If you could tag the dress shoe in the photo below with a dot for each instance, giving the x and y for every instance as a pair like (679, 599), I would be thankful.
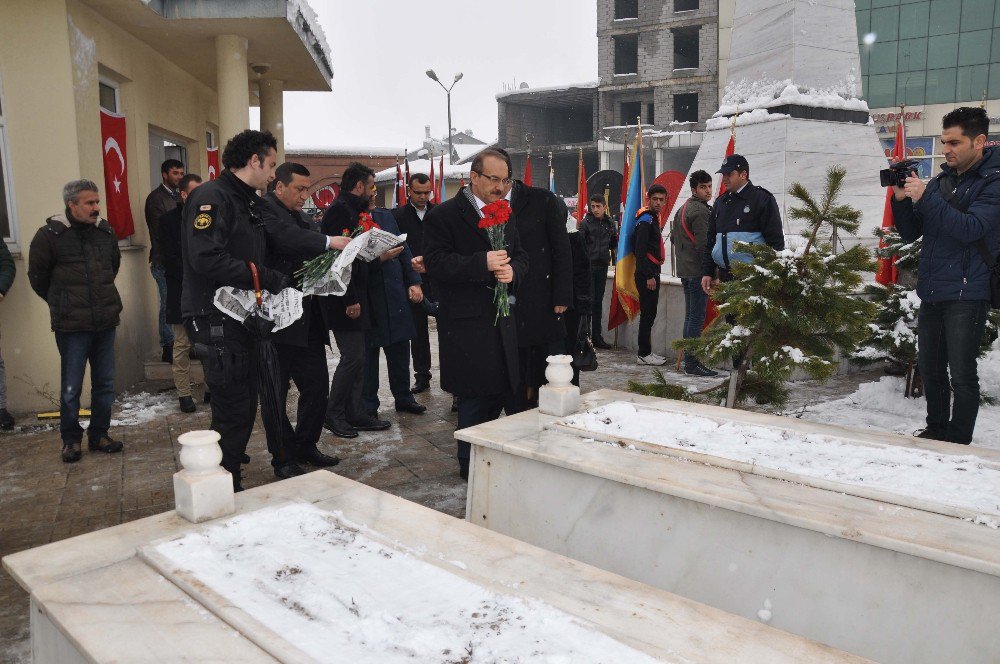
(168, 354)
(699, 369)
(104, 444)
(314, 457)
(932, 434)
(6, 421)
(421, 385)
(339, 428)
(371, 424)
(411, 407)
(71, 452)
(187, 404)
(287, 470)
(601, 344)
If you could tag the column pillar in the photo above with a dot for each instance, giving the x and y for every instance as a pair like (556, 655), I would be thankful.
(231, 73)
(272, 116)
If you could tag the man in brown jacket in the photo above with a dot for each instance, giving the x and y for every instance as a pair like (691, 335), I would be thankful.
(72, 265)
(688, 233)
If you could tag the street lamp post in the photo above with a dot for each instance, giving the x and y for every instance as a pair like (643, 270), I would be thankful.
(434, 77)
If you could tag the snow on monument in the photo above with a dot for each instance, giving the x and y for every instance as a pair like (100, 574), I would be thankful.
(794, 91)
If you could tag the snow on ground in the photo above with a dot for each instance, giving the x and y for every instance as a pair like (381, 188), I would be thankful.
(963, 481)
(136, 409)
(331, 588)
(880, 406)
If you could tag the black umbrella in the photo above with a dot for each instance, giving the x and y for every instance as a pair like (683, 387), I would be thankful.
(268, 371)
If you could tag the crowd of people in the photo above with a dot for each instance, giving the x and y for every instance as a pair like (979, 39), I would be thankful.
(222, 233)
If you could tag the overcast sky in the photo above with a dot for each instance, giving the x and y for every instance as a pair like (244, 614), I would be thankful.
(381, 49)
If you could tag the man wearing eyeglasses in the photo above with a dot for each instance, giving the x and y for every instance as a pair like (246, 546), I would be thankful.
(223, 231)
(547, 290)
(478, 349)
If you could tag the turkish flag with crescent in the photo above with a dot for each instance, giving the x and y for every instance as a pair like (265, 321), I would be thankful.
(213, 163)
(116, 203)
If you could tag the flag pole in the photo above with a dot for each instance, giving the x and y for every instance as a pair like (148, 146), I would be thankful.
(638, 138)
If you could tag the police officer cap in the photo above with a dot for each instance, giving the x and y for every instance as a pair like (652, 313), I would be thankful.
(734, 162)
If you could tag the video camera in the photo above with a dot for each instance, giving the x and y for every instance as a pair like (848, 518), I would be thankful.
(895, 175)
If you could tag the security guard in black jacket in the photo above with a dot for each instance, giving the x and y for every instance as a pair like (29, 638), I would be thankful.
(745, 213)
(223, 232)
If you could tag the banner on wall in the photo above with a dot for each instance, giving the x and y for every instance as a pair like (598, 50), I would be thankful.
(213, 163)
(118, 211)
(920, 148)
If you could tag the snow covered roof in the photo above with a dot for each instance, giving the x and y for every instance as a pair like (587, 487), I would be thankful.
(451, 171)
(345, 150)
(549, 88)
(466, 152)
(745, 95)
(576, 94)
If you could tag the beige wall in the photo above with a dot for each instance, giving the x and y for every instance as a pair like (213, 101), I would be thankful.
(51, 105)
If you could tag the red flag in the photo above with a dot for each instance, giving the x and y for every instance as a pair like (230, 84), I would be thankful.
(527, 171)
(407, 173)
(400, 187)
(213, 163)
(433, 183)
(581, 188)
(116, 202)
(887, 272)
(439, 185)
(463, 183)
(324, 197)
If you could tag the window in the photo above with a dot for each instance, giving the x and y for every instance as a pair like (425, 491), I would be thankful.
(210, 138)
(910, 87)
(912, 55)
(913, 20)
(974, 47)
(685, 48)
(945, 16)
(109, 95)
(942, 51)
(627, 54)
(650, 113)
(685, 5)
(882, 90)
(940, 86)
(686, 107)
(626, 9)
(7, 230)
(630, 110)
(972, 82)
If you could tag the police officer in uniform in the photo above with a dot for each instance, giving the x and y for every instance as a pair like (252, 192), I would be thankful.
(745, 213)
(223, 232)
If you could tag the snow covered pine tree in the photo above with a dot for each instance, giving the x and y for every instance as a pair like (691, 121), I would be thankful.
(792, 309)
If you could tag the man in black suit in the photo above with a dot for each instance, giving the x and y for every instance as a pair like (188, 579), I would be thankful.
(478, 350)
(410, 219)
(302, 345)
(161, 200)
(547, 290)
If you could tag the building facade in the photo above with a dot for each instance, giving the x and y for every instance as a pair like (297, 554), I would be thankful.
(183, 73)
(928, 57)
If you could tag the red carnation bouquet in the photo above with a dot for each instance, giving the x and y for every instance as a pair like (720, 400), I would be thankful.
(495, 216)
(314, 269)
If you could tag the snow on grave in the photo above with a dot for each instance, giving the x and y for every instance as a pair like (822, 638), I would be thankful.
(336, 587)
(961, 485)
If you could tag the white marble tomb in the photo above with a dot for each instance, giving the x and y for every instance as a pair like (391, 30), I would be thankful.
(895, 578)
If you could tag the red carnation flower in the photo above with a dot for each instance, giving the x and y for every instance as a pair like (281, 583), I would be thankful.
(366, 223)
(495, 214)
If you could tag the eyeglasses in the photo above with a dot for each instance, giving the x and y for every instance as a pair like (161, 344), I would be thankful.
(494, 179)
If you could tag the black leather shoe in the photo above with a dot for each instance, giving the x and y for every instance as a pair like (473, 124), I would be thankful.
(932, 434)
(105, 444)
(288, 469)
(342, 429)
(168, 354)
(71, 452)
(700, 369)
(412, 407)
(316, 458)
(371, 424)
(6, 421)
(601, 344)
(187, 404)
(420, 386)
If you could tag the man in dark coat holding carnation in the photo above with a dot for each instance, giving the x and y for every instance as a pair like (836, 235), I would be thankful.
(478, 349)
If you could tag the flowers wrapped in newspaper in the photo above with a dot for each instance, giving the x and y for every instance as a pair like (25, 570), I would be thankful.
(495, 216)
(330, 273)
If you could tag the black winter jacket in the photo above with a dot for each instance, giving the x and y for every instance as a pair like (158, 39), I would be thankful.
(341, 218)
(601, 239)
(72, 265)
(7, 269)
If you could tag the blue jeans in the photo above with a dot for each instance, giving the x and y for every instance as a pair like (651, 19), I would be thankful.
(695, 302)
(75, 350)
(159, 276)
(948, 338)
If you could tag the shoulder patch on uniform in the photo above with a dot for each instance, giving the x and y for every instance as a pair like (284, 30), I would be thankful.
(202, 221)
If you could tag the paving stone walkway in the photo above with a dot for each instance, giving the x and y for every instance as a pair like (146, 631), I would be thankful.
(43, 500)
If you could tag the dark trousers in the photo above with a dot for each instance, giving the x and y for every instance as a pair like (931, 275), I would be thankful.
(531, 366)
(420, 347)
(476, 410)
(397, 360)
(572, 318)
(648, 302)
(307, 367)
(599, 276)
(695, 302)
(344, 403)
(948, 338)
(75, 350)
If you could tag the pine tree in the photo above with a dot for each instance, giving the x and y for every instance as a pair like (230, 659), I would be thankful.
(791, 309)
